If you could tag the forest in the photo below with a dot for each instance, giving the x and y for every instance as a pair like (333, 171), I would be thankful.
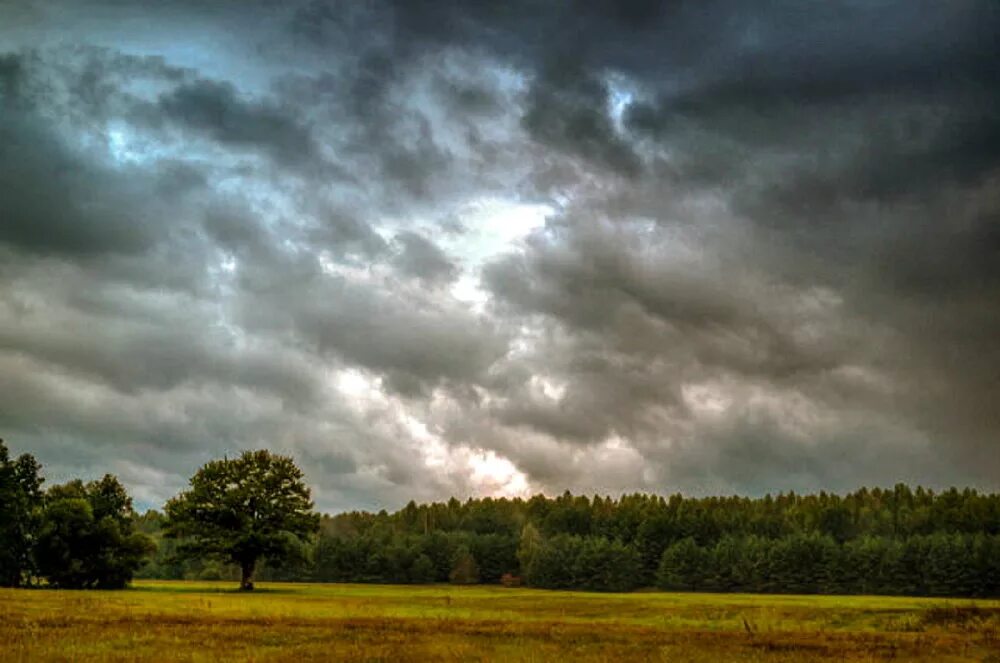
(897, 541)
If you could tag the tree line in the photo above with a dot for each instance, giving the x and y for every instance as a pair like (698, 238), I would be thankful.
(77, 534)
(87, 535)
(872, 541)
(252, 517)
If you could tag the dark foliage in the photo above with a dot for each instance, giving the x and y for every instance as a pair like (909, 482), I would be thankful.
(243, 510)
(88, 538)
(939, 564)
(256, 511)
(897, 541)
(20, 516)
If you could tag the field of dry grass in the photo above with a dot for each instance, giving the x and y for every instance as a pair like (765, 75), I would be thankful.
(158, 621)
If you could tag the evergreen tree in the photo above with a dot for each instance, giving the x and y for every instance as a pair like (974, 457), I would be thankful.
(683, 566)
(607, 566)
(552, 566)
(422, 570)
(870, 541)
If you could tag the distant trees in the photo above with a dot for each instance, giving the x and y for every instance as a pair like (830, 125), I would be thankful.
(939, 564)
(683, 566)
(244, 510)
(20, 515)
(567, 561)
(898, 541)
(607, 565)
(87, 537)
(252, 517)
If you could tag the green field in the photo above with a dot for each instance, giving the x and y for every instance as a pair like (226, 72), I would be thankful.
(191, 621)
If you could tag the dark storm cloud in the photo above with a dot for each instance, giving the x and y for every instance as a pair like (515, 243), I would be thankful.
(393, 131)
(137, 352)
(806, 134)
(568, 109)
(58, 198)
(408, 335)
(422, 259)
(60, 202)
(645, 321)
(465, 98)
(154, 350)
(769, 261)
(216, 108)
(341, 232)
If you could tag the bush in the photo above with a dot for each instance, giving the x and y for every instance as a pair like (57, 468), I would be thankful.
(510, 580)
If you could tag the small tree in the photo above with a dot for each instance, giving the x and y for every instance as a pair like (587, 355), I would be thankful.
(464, 570)
(242, 510)
(528, 546)
(422, 570)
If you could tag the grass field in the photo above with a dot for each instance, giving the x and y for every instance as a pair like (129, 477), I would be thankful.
(187, 621)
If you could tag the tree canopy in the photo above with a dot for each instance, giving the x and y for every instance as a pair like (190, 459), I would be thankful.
(87, 537)
(254, 514)
(20, 514)
(895, 541)
(244, 510)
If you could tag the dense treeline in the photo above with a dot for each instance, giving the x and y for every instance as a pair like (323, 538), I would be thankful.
(256, 508)
(73, 535)
(80, 535)
(896, 541)
(940, 564)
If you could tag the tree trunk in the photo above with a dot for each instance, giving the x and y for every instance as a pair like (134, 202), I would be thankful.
(246, 579)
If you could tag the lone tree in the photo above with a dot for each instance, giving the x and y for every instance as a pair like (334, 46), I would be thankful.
(244, 510)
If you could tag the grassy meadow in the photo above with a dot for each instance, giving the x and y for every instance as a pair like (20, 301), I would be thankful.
(200, 621)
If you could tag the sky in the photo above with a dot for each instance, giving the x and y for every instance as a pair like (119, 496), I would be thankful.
(454, 248)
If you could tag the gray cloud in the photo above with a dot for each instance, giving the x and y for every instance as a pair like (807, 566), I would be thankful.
(406, 334)
(422, 259)
(60, 199)
(769, 259)
(216, 109)
(568, 109)
(51, 206)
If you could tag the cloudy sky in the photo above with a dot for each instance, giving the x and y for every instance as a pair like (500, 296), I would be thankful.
(452, 248)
